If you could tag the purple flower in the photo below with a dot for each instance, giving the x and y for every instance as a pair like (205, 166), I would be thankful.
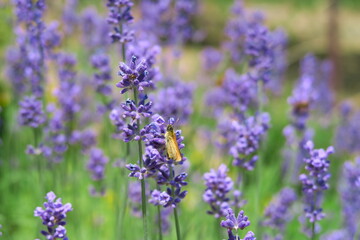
(70, 16)
(97, 163)
(350, 196)
(31, 43)
(315, 182)
(237, 91)
(69, 91)
(178, 104)
(86, 138)
(94, 27)
(159, 198)
(119, 16)
(130, 110)
(336, 235)
(303, 95)
(54, 217)
(216, 194)
(133, 76)
(166, 22)
(31, 112)
(55, 141)
(277, 214)
(279, 42)
(243, 137)
(101, 79)
(347, 136)
(211, 58)
(233, 222)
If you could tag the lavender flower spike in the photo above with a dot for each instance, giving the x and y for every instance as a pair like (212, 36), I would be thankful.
(53, 217)
(97, 163)
(235, 223)
(133, 76)
(315, 182)
(218, 186)
(31, 112)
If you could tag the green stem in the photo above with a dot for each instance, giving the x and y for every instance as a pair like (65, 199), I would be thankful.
(259, 162)
(143, 195)
(159, 222)
(38, 162)
(177, 225)
(313, 231)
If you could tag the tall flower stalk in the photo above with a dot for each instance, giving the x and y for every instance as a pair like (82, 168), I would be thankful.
(315, 182)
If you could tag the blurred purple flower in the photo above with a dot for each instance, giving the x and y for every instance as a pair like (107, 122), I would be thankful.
(211, 58)
(336, 235)
(236, 91)
(31, 112)
(277, 214)
(347, 137)
(69, 91)
(119, 16)
(242, 138)
(97, 163)
(94, 27)
(218, 184)
(350, 196)
(103, 75)
(178, 104)
(70, 16)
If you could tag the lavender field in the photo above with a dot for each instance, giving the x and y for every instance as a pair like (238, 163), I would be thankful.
(179, 119)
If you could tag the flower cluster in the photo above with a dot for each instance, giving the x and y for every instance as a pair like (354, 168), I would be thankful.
(303, 95)
(347, 138)
(216, 194)
(97, 163)
(68, 91)
(69, 16)
(236, 91)
(350, 196)
(235, 223)
(54, 217)
(277, 214)
(168, 22)
(252, 44)
(243, 138)
(55, 139)
(94, 27)
(178, 104)
(316, 180)
(31, 112)
(211, 58)
(148, 52)
(119, 17)
(134, 76)
(102, 64)
(157, 165)
(34, 42)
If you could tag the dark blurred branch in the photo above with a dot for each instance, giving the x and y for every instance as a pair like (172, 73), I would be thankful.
(334, 44)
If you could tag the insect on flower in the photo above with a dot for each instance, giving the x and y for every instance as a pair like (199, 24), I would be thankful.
(172, 147)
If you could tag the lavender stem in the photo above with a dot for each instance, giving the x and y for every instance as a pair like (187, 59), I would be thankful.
(143, 195)
(177, 225)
